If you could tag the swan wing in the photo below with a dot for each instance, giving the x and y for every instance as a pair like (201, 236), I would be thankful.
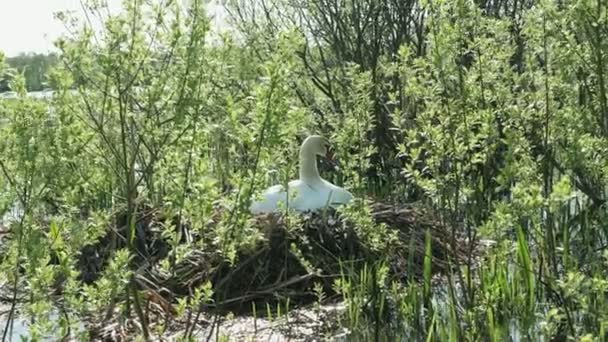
(336, 195)
(302, 197)
(275, 197)
(270, 200)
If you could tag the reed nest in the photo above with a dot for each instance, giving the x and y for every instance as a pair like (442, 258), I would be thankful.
(290, 260)
(294, 255)
(287, 262)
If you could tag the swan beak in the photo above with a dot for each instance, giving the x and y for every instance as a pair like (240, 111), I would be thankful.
(329, 157)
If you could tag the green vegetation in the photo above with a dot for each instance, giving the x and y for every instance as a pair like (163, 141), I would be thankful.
(493, 115)
(34, 68)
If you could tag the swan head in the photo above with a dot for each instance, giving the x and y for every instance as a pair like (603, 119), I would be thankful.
(311, 147)
(315, 145)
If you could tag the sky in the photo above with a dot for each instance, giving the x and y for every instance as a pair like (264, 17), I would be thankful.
(29, 25)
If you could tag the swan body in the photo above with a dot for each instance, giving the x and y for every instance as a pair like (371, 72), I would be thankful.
(310, 191)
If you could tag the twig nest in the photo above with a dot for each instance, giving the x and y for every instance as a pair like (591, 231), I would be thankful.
(300, 250)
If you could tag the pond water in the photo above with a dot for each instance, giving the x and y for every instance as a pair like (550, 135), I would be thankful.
(20, 326)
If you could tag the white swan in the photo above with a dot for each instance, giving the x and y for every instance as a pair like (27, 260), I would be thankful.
(310, 192)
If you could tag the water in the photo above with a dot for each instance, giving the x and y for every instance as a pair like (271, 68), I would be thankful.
(43, 94)
(20, 326)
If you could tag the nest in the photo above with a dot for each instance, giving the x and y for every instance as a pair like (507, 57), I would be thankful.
(293, 258)
(289, 262)
(149, 245)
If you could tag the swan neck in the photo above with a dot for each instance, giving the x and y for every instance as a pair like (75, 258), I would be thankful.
(308, 167)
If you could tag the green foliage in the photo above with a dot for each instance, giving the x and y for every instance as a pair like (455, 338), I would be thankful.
(34, 68)
(492, 113)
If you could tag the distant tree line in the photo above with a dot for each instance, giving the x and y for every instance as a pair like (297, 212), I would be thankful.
(34, 67)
